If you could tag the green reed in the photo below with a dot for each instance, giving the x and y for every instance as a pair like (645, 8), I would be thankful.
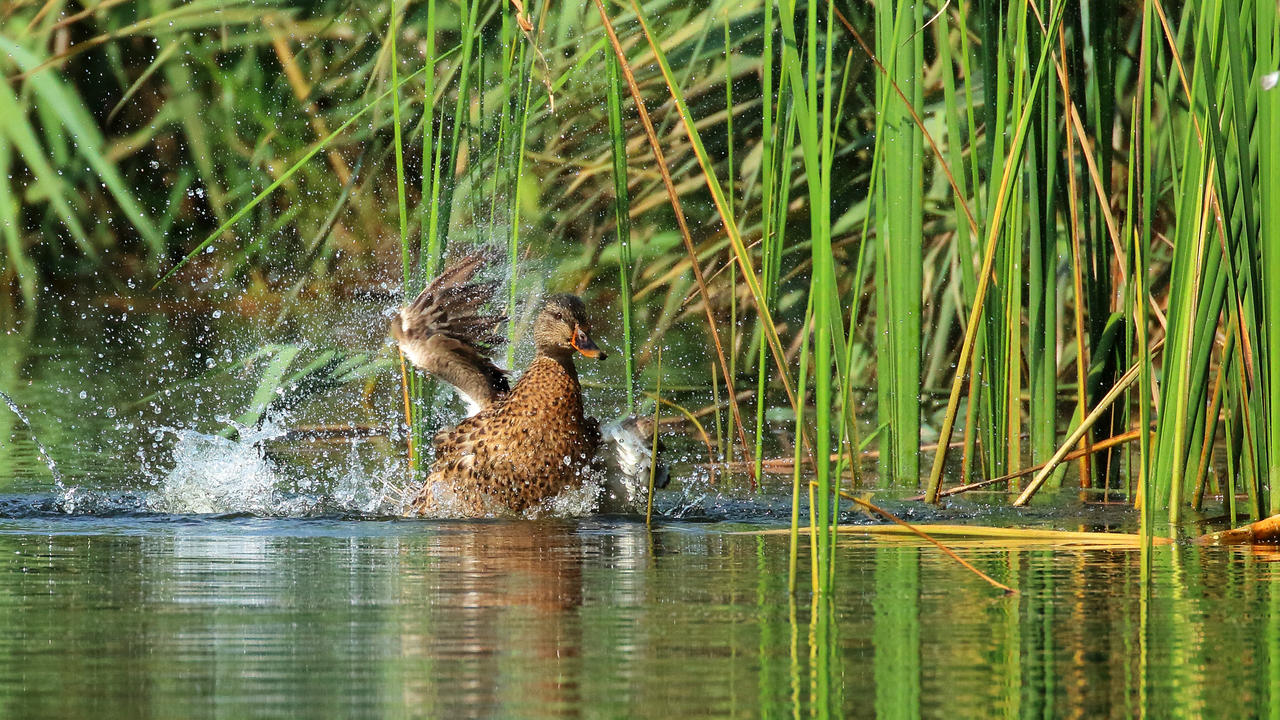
(411, 383)
(520, 120)
(814, 119)
(731, 186)
(1267, 125)
(768, 215)
(1003, 217)
(622, 219)
(899, 237)
(797, 479)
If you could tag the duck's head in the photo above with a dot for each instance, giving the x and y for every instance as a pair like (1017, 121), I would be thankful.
(562, 327)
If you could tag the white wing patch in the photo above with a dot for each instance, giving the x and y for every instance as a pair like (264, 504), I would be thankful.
(473, 407)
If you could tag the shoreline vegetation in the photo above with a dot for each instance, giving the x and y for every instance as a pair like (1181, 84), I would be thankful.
(1017, 246)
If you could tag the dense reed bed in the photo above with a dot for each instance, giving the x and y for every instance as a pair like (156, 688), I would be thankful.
(972, 240)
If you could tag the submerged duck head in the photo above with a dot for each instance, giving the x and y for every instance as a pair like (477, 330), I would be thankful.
(562, 328)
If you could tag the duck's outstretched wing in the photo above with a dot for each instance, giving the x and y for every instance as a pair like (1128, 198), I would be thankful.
(446, 333)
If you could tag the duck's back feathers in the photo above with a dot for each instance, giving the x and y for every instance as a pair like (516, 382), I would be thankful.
(528, 446)
(445, 332)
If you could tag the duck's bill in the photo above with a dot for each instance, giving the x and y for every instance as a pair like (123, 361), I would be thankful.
(583, 344)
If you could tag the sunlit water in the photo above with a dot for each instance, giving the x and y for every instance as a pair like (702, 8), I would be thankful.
(176, 573)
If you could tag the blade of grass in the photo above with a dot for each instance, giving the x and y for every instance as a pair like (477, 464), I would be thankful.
(653, 464)
(15, 255)
(23, 138)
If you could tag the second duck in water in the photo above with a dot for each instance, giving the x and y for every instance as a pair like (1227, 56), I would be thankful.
(525, 444)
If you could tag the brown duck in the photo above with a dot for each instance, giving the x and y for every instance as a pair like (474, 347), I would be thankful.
(526, 443)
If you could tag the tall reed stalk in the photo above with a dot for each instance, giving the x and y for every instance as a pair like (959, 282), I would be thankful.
(622, 219)
(899, 241)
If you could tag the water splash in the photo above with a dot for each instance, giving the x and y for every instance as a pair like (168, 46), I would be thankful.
(574, 501)
(40, 448)
(212, 474)
(628, 451)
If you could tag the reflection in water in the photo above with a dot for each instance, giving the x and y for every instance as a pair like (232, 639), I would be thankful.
(494, 593)
(897, 633)
(173, 615)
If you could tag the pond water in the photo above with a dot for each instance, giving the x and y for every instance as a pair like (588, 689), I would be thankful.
(296, 596)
